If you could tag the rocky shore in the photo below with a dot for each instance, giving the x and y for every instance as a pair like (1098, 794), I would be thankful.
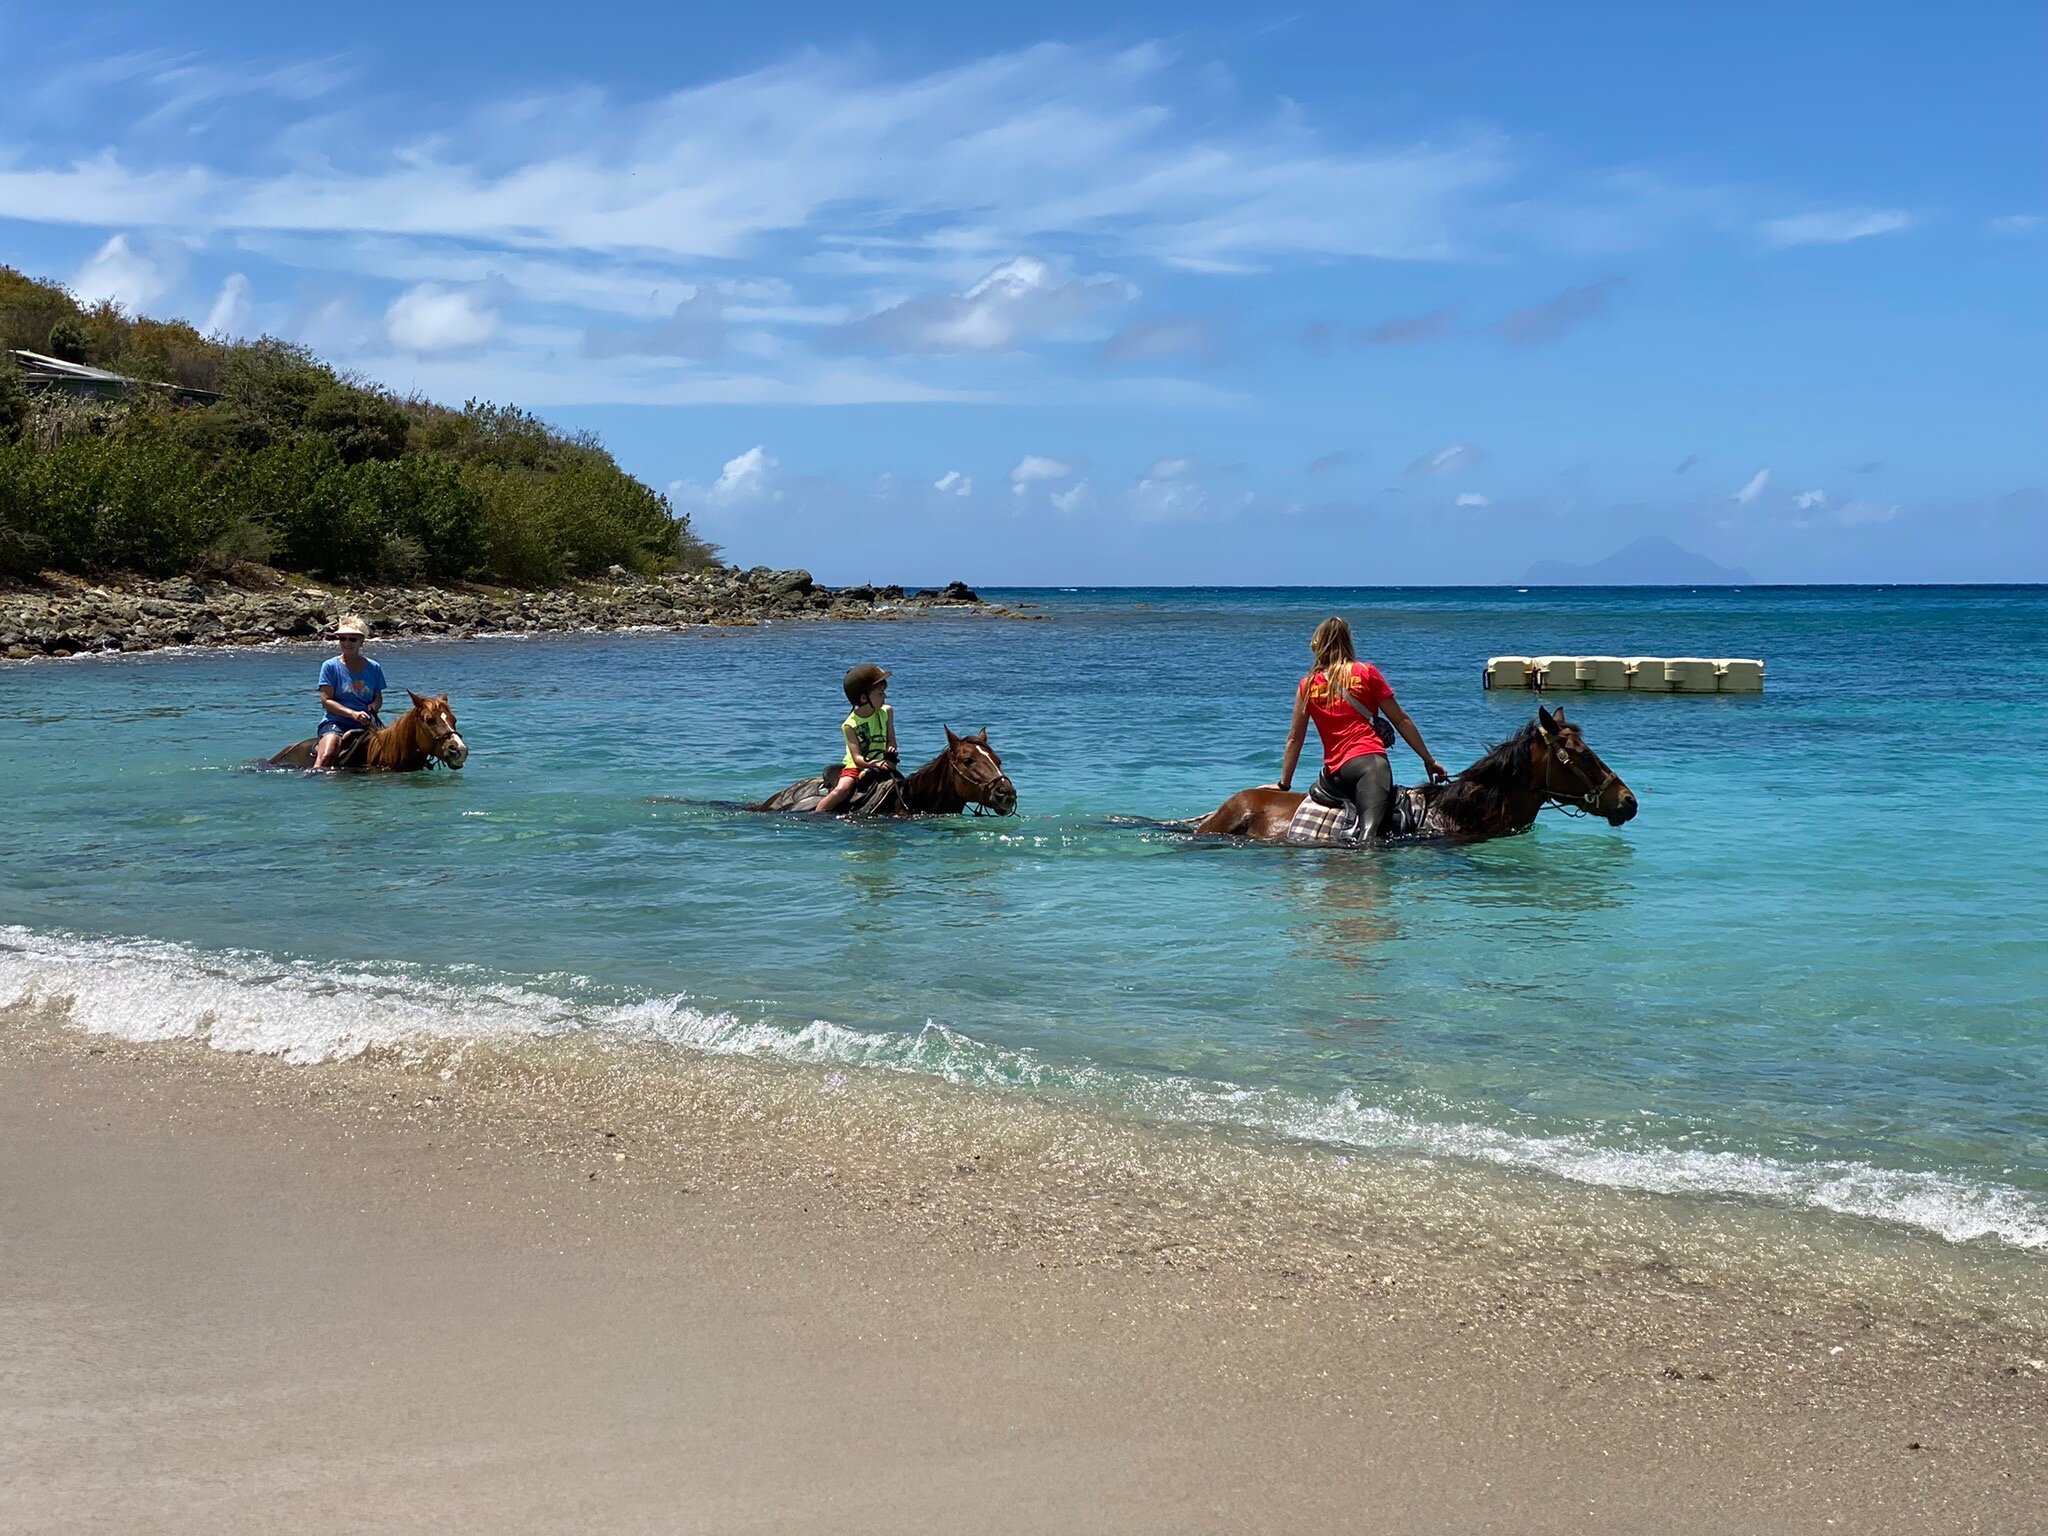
(66, 615)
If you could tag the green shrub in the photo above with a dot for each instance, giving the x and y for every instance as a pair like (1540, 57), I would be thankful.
(298, 464)
(13, 400)
(69, 340)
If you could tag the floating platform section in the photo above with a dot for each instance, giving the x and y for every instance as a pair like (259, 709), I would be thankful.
(1626, 674)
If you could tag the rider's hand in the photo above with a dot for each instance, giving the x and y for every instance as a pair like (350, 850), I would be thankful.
(1436, 772)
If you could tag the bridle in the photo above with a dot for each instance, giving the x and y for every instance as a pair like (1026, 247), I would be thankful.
(437, 744)
(976, 792)
(1584, 803)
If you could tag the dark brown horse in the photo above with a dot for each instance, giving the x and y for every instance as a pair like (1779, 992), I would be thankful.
(423, 735)
(967, 773)
(1547, 762)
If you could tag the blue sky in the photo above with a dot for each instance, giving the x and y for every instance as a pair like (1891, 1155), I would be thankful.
(1369, 293)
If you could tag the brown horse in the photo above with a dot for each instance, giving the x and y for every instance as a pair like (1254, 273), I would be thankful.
(422, 736)
(1547, 762)
(967, 773)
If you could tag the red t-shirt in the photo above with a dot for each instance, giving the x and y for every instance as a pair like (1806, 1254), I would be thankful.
(1345, 732)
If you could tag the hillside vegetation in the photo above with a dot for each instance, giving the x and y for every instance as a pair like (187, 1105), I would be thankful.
(297, 466)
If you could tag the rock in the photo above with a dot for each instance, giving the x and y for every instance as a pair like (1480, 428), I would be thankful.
(959, 592)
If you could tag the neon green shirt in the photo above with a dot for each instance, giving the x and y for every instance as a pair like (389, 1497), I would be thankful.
(872, 733)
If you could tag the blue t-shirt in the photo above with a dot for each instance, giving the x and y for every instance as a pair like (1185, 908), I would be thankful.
(353, 689)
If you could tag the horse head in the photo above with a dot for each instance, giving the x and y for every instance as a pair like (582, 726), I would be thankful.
(1572, 774)
(437, 729)
(978, 772)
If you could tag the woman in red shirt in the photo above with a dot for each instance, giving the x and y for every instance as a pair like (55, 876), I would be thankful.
(1341, 695)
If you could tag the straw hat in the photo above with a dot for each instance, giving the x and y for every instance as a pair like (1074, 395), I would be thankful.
(349, 624)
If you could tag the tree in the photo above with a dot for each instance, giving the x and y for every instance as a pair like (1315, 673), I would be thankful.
(70, 341)
(13, 400)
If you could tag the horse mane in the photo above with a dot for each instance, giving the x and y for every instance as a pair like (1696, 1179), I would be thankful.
(390, 746)
(1481, 794)
(928, 785)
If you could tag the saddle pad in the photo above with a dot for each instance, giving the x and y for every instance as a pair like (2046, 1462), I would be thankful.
(1323, 826)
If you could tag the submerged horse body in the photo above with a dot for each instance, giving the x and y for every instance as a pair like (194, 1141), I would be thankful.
(967, 773)
(1547, 762)
(423, 735)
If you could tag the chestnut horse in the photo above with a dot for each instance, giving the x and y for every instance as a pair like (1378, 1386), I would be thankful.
(422, 736)
(1547, 762)
(967, 773)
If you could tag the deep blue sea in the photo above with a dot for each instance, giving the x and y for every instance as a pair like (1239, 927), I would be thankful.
(1813, 972)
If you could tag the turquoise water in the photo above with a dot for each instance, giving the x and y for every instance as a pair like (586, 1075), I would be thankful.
(1813, 971)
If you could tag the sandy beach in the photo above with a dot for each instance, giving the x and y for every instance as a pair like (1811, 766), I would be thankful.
(467, 1292)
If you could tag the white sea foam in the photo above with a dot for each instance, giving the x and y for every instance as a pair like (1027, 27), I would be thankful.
(305, 1012)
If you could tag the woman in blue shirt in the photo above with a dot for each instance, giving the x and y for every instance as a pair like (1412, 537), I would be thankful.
(351, 689)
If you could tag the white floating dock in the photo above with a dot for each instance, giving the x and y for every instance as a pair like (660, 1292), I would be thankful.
(1626, 674)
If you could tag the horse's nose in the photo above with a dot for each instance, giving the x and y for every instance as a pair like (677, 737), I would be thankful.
(1625, 808)
(456, 753)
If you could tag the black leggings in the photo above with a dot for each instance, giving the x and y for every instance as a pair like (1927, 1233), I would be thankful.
(1367, 781)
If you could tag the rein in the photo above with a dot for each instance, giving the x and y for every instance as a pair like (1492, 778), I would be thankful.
(430, 749)
(1581, 804)
(973, 806)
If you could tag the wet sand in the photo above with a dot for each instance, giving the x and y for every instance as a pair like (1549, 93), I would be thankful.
(469, 1292)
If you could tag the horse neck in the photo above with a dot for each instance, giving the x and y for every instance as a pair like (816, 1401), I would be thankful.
(400, 744)
(1483, 807)
(931, 790)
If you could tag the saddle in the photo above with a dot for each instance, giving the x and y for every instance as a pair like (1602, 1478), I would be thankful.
(354, 744)
(1324, 821)
(882, 795)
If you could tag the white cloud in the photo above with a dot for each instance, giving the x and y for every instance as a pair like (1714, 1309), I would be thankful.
(1174, 500)
(1179, 468)
(1807, 500)
(953, 483)
(431, 318)
(696, 327)
(1022, 300)
(229, 316)
(747, 480)
(745, 477)
(1121, 149)
(1451, 459)
(1072, 497)
(1473, 499)
(1164, 337)
(1836, 226)
(1036, 468)
(130, 273)
(1754, 488)
(2019, 224)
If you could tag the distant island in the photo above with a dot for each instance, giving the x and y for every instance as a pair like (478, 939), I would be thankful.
(1650, 561)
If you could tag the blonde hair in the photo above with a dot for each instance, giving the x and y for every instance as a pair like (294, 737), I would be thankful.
(1334, 655)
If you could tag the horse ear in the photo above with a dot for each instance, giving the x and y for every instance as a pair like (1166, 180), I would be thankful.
(1545, 718)
(982, 736)
(951, 739)
(417, 701)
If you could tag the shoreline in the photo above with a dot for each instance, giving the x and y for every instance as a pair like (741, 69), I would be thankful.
(1161, 1329)
(63, 615)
